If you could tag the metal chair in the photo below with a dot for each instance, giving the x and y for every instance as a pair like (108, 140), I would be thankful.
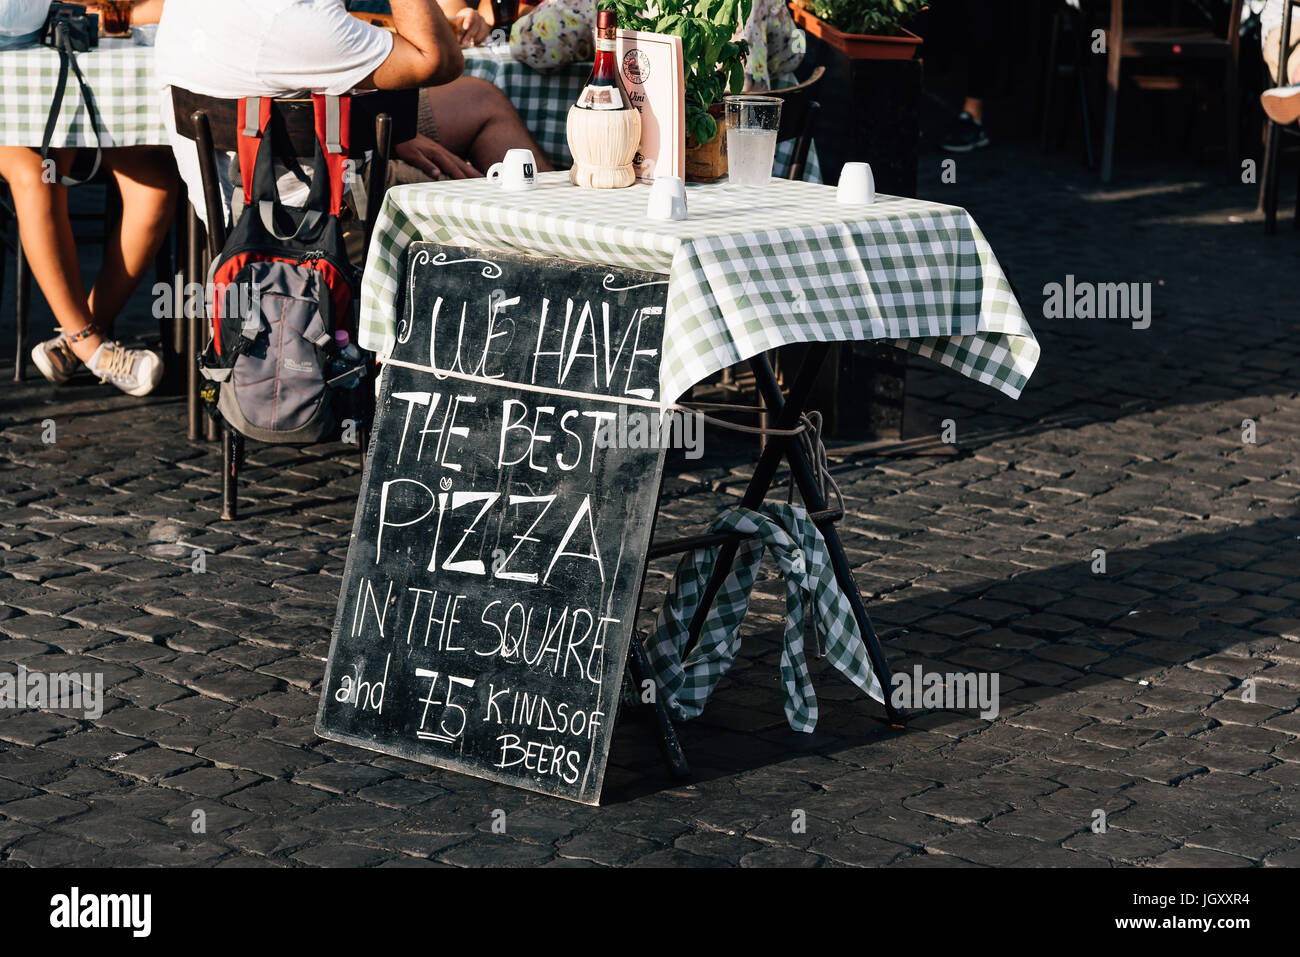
(379, 120)
(1274, 132)
(1168, 43)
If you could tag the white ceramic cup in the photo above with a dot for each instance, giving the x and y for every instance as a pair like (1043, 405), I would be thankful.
(667, 199)
(857, 185)
(517, 172)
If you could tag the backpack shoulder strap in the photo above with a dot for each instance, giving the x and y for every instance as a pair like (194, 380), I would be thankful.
(334, 130)
(252, 118)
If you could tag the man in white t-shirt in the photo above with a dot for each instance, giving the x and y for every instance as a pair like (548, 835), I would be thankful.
(240, 48)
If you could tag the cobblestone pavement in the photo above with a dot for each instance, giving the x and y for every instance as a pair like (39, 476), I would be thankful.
(1121, 692)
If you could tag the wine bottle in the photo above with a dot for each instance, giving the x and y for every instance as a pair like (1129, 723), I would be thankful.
(605, 89)
(603, 127)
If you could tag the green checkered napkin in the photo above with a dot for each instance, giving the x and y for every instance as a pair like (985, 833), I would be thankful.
(810, 586)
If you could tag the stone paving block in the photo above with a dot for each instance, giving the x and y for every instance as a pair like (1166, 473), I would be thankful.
(958, 806)
(1118, 844)
(502, 851)
(153, 764)
(265, 757)
(611, 847)
(43, 809)
(1198, 857)
(341, 778)
(33, 728)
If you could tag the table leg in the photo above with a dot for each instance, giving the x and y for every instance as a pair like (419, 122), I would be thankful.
(760, 483)
(665, 733)
(787, 413)
(670, 747)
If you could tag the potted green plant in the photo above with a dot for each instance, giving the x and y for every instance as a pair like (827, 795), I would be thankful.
(714, 64)
(862, 29)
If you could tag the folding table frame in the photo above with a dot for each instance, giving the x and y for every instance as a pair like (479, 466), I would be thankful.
(783, 413)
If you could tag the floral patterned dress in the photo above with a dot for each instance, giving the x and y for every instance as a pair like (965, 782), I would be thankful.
(560, 32)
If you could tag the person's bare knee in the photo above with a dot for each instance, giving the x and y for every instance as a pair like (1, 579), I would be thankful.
(23, 170)
(146, 167)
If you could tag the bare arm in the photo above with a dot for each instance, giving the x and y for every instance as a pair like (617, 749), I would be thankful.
(426, 50)
(146, 11)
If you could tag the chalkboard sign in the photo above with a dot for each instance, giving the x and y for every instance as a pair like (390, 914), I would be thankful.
(498, 551)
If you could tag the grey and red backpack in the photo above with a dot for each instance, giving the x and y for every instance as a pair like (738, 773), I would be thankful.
(282, 289)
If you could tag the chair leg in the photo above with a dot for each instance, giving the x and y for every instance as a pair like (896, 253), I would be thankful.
(1230, 108)
(1268, 181)
(231, 453)
(378, 174)
(1296, 222)
(22, 312)
(1050, 85)
(1089, 152)
(367, 411)
(4, 241)
(1114, 53)
(194, 315)
(180, 266)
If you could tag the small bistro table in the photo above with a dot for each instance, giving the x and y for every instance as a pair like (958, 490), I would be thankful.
(543, 101)
(752, 269)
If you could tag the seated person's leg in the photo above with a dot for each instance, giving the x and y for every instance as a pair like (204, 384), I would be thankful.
(48, 244)
(474, 121)
(51, 251)
(146, 178)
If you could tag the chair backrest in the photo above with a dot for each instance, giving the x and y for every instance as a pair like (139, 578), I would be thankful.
(379, 120)
(796, 101)
(299, 120)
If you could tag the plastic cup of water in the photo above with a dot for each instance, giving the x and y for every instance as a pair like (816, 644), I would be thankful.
(752, 124)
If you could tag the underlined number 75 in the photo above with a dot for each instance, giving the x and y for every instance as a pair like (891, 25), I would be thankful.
(444, 734)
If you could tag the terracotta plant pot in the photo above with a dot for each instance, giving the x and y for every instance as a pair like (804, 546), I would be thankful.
(858, 46)
(707, 163)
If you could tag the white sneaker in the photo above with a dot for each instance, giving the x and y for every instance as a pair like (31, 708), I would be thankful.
(55, 358)
(134, 371)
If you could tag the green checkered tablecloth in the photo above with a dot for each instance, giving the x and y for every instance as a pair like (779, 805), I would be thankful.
(121, 78)
(543, 101)
(753, 268)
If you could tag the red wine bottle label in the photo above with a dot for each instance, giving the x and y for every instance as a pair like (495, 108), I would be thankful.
(601, 98)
